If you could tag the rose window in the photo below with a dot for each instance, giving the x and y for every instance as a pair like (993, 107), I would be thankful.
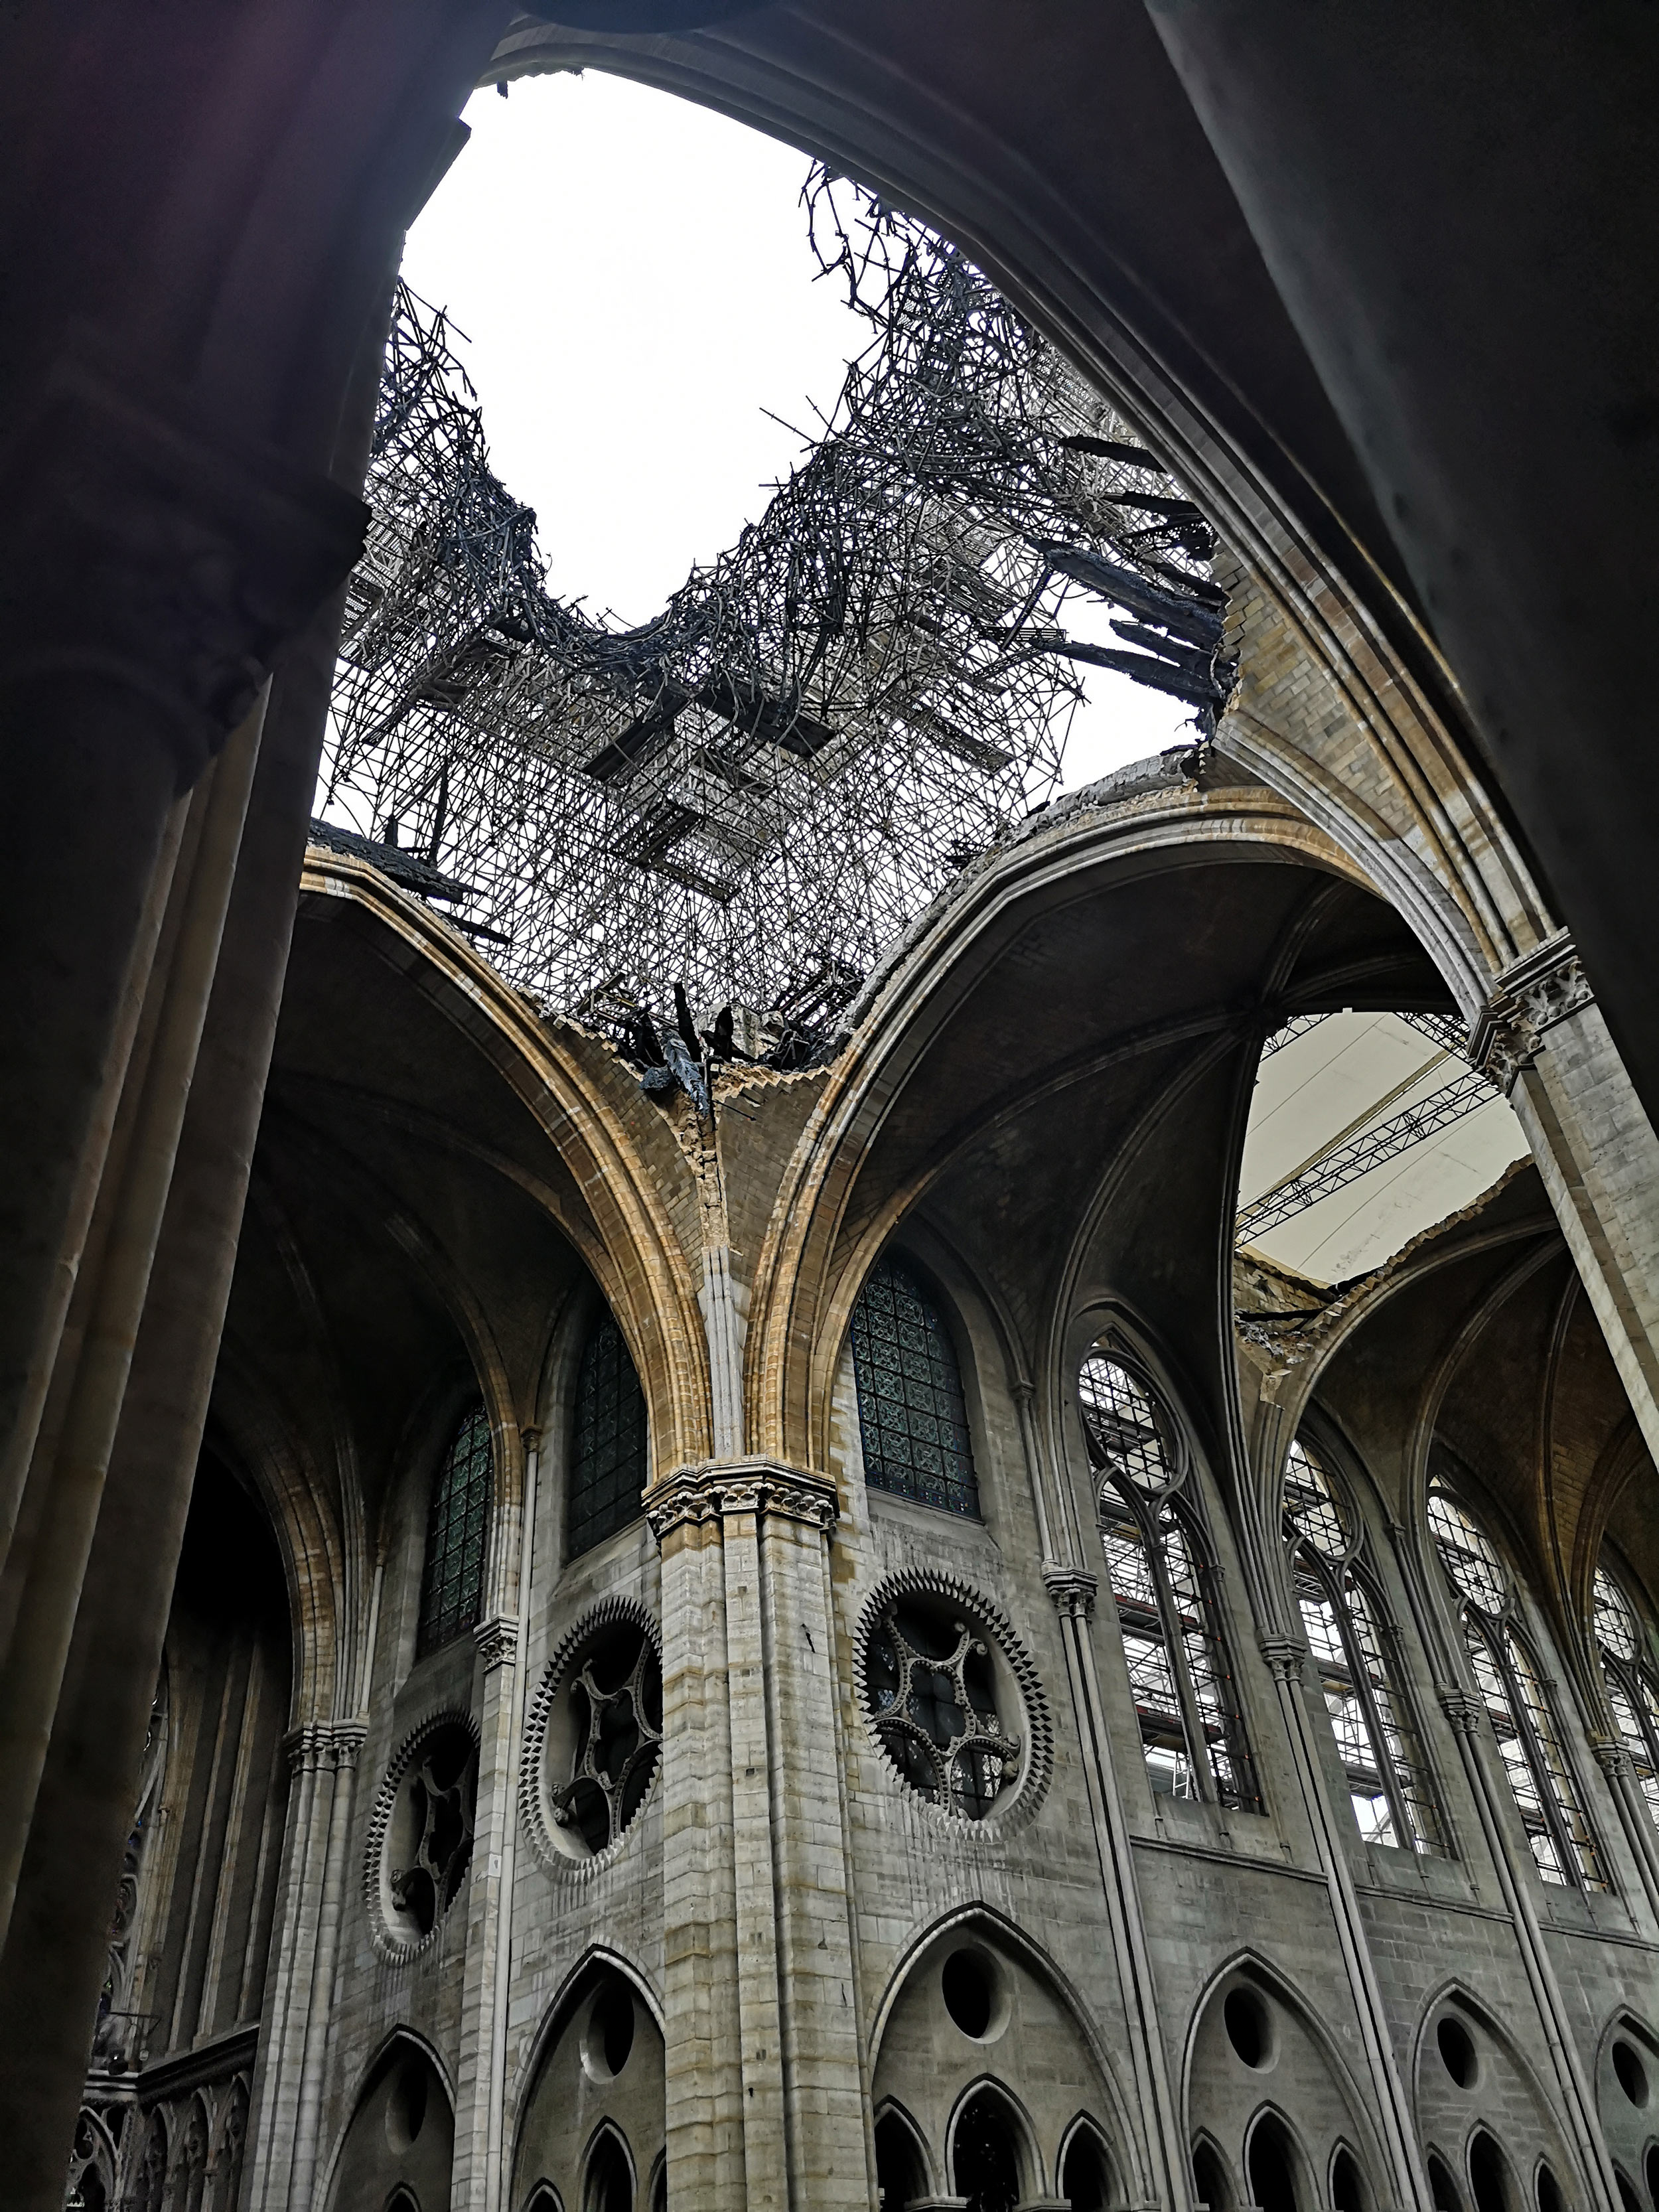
(595, 1736)
(420, 1844)
(946, 1697)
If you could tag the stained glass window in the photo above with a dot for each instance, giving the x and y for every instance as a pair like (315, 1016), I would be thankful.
(1523, 1720)
(1163, 1582)
(1631, 1690)
(1389, 1784)
(608, 1453)
(458, 1524)
(911, 1414)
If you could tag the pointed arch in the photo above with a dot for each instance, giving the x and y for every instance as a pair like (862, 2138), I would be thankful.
(989, 2123)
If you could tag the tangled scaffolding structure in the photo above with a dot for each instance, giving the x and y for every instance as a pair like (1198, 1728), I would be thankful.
(756, 791)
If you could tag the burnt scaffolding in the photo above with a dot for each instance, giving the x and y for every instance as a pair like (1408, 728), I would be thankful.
(755, 792)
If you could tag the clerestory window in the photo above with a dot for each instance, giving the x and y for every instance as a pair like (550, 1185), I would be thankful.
(1389, 1784)
(608, 1453)
(1161, 1575)
(1633, 1690)
(458, 1524)
(1513, 1690)
(912, 1416)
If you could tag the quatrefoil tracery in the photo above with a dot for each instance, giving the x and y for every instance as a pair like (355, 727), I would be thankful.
(618, 1745)
(948, 1747)
(442, 1822)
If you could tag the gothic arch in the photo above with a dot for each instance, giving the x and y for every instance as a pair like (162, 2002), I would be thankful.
(992, 2089)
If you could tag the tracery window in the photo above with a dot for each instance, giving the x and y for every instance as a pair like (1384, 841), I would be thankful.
(1161, 1575)
(1389, 1784)
(1633, 1692)
(608, 1453)
(452, 1580)
(1518, 1702)
(912, 1416)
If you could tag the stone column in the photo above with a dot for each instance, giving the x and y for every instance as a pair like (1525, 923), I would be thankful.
(1640, 1832)
(767, 2105)
(279, 2067)
(1409, 2179)
(1469, 1724)
(1072, 1589)
(1543, 1038)
(336, 1797)
(474, 2182)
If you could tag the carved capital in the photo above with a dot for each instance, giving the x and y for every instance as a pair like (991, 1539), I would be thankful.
(154, 565)
(713, 1489)
(1284, 1656)
(1072, 1589)
(317, 1745)
(346, 1739)
(1530, 998)
(1464, 1713)
(1613, 1758)
(497, 1640)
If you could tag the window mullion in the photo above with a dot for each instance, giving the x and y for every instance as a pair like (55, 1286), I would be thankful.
(1198, 1746)
(1566, 1850)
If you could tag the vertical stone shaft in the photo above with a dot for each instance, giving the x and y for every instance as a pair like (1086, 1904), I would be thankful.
(1410, 2180)
(1073, 1593)
(489, 1890)
(345, 1743)
(1635, 1817)
(704, 2086)
(762, 1529)
(287, 1986)
(1468, 1718)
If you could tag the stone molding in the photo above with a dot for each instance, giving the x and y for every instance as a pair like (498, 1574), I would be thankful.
(163, 565)
(1072, 1589)
(711, 1490)
(1530, 997)
(316, 1745)
(1286, 1657)
(618, 1611)
(497, 1639)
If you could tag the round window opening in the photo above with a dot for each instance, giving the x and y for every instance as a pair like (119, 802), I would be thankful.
(1632, 2075)
(608, 2039)
(1249, 2030)
(426, 1845)
(945, 1701)
(972, 1989)
(599, 1719)
(1456, 2050)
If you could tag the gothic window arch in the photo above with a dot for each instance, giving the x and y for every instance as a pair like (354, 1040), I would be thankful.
(608, 1451)
(1348, 1634)
(913, 1418)
(1161, 1569)
(1632, 1687)
(458, 1524)
(1516, 1694)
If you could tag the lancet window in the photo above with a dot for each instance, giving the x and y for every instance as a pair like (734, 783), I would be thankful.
(1517, 1701)
(458, 1524)
(608, 1455)
(1161, 1575)
(912, 1415)
(1632, 1691)
(1389, 1784)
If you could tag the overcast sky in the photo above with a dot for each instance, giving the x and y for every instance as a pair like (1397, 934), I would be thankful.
(633, 280)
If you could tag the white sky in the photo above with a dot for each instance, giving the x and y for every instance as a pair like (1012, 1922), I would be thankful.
(1320, 1082)
(633, 280)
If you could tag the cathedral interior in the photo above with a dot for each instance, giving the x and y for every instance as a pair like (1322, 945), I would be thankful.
(821, 1593)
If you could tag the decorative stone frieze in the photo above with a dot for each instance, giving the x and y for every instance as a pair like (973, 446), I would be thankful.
(1072, 1589)
(164, 568)
(1530, 998)
(710, 1490)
